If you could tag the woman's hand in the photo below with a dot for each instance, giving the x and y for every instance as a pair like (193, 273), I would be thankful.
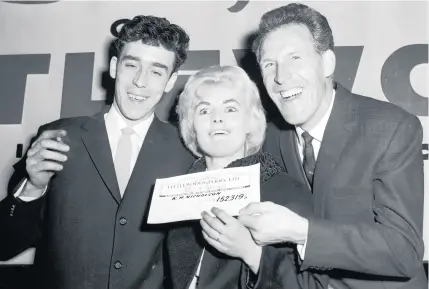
(227, 235)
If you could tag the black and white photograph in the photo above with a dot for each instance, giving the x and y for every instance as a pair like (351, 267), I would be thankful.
(214, 144)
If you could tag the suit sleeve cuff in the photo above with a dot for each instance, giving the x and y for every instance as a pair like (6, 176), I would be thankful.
(21, 186)
(301, 249)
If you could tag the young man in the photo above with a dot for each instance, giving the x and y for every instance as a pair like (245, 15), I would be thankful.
(85, 182)
(361, 158)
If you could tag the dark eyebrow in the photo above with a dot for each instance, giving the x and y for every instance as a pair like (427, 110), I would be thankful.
(129, 57)
(135, 58)
(267, 59)
(160, 65)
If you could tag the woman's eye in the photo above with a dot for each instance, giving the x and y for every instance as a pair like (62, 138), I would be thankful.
(204, 111)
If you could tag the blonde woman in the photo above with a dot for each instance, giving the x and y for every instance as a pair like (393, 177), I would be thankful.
(223, 123)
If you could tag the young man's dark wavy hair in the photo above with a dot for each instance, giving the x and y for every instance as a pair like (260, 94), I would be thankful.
(155, 31)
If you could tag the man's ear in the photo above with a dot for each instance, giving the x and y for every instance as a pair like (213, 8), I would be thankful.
(112, 68)
(171, 82)
(329, 62)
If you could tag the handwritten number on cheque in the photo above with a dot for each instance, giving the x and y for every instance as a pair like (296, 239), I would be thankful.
(231, 198)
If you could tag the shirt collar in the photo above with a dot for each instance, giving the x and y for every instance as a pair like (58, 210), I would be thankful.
(116, 121)
(319, 129)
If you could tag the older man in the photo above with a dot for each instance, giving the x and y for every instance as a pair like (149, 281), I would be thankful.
(361, 158)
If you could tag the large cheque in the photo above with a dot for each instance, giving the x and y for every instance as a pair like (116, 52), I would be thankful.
(185, 197)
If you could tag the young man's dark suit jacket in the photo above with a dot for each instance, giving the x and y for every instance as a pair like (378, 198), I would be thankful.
(91, 238)
(368, 190)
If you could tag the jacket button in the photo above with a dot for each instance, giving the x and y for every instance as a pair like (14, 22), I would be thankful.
(118, 265)
(122, 221)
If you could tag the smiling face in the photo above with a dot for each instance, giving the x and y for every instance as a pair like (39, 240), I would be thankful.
(143, 73)
(296, 76)
(221, 120)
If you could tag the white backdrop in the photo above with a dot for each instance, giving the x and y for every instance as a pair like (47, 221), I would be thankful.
(61, 28)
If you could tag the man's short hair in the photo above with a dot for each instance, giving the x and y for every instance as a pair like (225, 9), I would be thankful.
(155, 31)
(299, 14)
(243, 84)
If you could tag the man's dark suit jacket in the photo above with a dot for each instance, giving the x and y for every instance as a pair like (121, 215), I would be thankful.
(368, 189)
(90, 237)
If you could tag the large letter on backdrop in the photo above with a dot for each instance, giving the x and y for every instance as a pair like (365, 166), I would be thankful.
(77, 86)
(13, 78)
(395, 78)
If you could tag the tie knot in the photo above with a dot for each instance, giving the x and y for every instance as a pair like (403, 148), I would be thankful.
(307, 137)
(127, 131)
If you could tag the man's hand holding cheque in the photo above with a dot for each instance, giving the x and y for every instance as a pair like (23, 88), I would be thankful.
(271, 223)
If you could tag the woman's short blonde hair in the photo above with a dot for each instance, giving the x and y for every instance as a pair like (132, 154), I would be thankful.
(242, 83)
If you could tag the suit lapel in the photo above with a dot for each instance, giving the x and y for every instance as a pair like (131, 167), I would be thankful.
(334, 140)
(96, 142)
(289, 152)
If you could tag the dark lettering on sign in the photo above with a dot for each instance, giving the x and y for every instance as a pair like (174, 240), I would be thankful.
(77, 86)
(425, 149)
(79, 67)
(31, 2)
(238, 6)
(348, 59)
(395, 78)
(14, 70)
